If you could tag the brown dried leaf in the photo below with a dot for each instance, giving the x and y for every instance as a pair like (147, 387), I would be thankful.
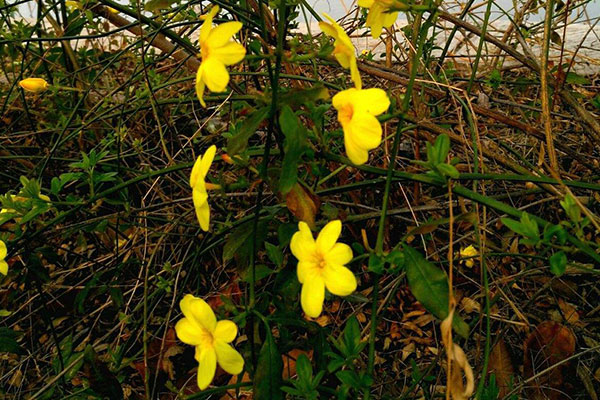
(548, 345)
(500, 364)
(302, 204)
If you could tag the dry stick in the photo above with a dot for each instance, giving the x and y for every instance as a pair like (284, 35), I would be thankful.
(159, 41)
(544, 82)
(397, 76)
(589, 119)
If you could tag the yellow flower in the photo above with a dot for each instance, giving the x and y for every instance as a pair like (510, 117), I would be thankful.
(34, 85)
(200, 328)
(378, 17)
(3, 263)
(199, 186)
(73, 5)
(217, 50)
(321, 264)
(356, 113)
(344, 50)
(469, 252)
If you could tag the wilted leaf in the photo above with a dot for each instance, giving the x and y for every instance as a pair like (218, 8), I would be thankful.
(302, 204)
(429, 285)
(500, 364)
(548, 345)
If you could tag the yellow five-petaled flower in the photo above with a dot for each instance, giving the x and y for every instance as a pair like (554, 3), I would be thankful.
(34, 85)
(344, 50)
(217, 50)
(200, 328)
(470, 252)
(321, 264)
(379, 17)
(3, 263)
(200, 186)
(356, 113)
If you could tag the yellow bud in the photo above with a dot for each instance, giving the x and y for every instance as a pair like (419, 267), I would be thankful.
(34, 85)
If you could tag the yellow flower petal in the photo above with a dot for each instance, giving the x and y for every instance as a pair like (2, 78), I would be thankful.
(3, 250)
(306, 270)
(356, 154)
(187, 332)
(303, 244)
(344, 50)
(366, 3)
(3, 267)
(229, 359)
(365, 130)
(312, 296)
(389, 18)
(375, 19)
(342, 98)
(207, 365)
(206, 27)
(200, 85)
(215, 75)
(355, 74)
(328, 236)
(222, 34)
(231, 53)
(199, 312)
(202, 165)
(339, 280)
(340, 254)
(226, 331)
(328, 29)
(374, 100)
(202, 209)
(344, 59)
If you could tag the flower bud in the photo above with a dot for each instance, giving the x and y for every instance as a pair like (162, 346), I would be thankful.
(34, 85)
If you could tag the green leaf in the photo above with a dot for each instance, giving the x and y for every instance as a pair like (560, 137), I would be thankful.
(261, 271)
(239, 141)
(513, 225)
(274, 253)
(349, 378)
(575, 79)
(236, 239)
(8, 342)
(376, 264)
(429, 285)
(558, 263)
(294, 145)
(304, 370)
(571, 208)
(352, 336)
(442, 147)
(448, 170)
(155, 5)
(267, 380)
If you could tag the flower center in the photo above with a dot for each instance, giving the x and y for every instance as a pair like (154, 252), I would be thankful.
(206, 338)
(321, 263)
(204, 51)
(345, 114)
